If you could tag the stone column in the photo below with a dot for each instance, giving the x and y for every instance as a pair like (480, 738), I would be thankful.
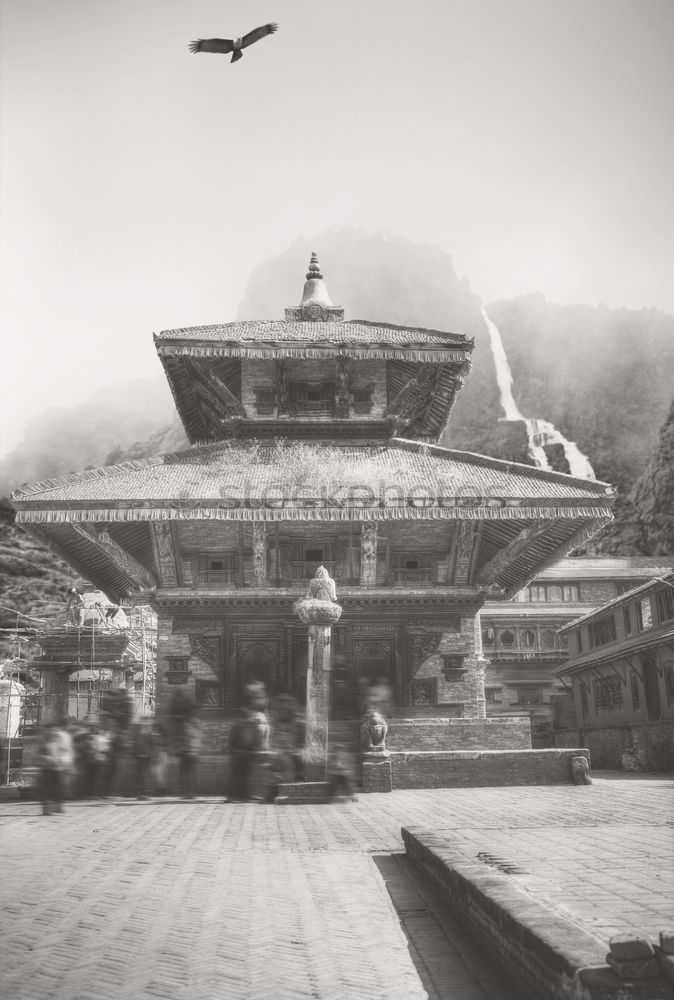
(318, 699)
(368, 554)
(320, 611)
(259, 554)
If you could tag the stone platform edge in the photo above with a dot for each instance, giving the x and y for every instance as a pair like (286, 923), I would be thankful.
(544, 956)
(480, 768)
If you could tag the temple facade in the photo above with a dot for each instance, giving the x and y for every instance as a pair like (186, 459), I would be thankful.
(314, 442)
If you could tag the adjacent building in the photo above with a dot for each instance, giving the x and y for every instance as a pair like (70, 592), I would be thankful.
(521, 637)
(621, 674)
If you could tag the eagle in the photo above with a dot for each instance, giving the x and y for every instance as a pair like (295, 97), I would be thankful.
(233, 45)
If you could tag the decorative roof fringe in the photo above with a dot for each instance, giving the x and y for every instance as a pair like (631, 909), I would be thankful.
(325, 351)
(221, 513)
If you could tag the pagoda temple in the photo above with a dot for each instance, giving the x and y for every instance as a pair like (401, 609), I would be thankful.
(314, 443)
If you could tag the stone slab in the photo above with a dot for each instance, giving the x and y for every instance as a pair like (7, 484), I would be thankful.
(628, 947)
(303, 792)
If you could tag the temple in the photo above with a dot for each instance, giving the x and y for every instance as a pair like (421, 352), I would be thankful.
(314, 442)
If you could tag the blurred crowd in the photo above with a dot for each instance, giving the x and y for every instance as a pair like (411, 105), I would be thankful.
(114, 754)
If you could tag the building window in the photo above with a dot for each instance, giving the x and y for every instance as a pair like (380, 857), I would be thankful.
(602, 632)
(312, 398)
(362, 399)
(264, 400)
(507, 638)
(579, 640)
(608, 694)
(634, 689)
(453, 669)
(412, 567)
(554, 593)
(664, 600)
(627, 620)
(527, 639)
(530, 696)
(668, 670)
(177, 671)
(644, 613)
(493, 695)
(220, 570)
(488, 636)
(547, 638)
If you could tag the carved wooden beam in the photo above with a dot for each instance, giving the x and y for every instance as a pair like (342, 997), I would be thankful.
(226, 401)
(124, 562)
(368, 554)
(164, 546)
(462, 553)
(493, 569)
(259, 554)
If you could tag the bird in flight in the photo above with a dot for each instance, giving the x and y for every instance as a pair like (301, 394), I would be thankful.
(233, 45)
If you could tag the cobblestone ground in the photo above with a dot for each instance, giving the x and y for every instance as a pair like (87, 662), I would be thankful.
(204, 899)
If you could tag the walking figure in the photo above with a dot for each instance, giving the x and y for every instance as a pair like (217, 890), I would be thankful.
(57, 758)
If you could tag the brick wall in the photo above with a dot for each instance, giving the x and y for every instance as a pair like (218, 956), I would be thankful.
(482, 768)
(513, 733)
(650, 746)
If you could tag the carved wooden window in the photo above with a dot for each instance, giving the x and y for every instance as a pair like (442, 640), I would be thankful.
(177, 671)
(665, 603)
(413, 568)
(264, 400)
(362, 399)
(602, 632)
(529, 696)
(304, 560)
(527, 638)
(488, 636)
(316, 398)
(220, 570)
(453, 669)
(507, 638)
(627, 620)
(608, 694)
(644, 613)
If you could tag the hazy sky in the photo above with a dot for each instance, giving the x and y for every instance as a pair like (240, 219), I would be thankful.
(531, 139)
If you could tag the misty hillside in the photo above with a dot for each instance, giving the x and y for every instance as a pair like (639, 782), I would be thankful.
(119, 419)
(603, 376)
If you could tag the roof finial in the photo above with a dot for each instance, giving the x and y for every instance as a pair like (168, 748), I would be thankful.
(314, 267)
(316, 305)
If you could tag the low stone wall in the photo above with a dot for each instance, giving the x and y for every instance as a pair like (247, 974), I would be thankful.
(482, 768)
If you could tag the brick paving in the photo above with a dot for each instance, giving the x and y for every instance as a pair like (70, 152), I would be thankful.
(203, 899)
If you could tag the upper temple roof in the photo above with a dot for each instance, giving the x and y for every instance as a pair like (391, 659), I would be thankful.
(277, 338)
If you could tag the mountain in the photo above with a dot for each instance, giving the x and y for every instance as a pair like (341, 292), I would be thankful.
(645, 523)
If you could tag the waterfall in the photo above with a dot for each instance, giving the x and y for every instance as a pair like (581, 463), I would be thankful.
(540, 433)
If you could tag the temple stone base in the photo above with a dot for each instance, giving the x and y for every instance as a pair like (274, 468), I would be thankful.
(302, 792)
(377, 775)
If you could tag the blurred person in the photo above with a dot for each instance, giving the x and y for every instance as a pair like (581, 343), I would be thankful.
(57, 758)
(341, 784)
(142, 745)
(287, 734)
(94, 745)
(116, 751)
(159, 761)
(188, 749)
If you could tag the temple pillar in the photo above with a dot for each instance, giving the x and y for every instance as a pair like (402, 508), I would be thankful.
(259, 554)
(368, 554)
(318, 697)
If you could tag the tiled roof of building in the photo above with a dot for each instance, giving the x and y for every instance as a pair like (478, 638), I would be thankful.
(269, 338)
(219, 480)
(667, 577)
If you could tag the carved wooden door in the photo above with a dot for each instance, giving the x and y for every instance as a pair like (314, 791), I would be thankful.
(257, 660)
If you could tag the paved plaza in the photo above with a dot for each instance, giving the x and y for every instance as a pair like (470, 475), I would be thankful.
(176, 900)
